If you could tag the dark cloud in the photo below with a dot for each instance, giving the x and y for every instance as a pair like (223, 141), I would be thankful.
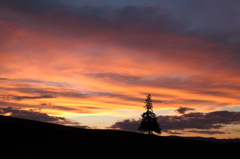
(33, 114)
(35, 7)
(173, 132)
(200, 121)
(6, 103)
(83, 127)
(208, 132)
(129, 125)
(68, 122)
(182, 110)
(44, 93)
(80, 109)
(111, 76)
(30, 114)
(212, 120)
(218, 16)
(19, 98)
(107, 3)
(146, 19)
(136, 14)
(30, 80)
(171, 27)
(63, 108)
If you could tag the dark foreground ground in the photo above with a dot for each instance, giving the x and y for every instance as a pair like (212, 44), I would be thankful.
(22, 138)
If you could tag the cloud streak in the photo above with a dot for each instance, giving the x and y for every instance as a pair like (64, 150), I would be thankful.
(19, 98)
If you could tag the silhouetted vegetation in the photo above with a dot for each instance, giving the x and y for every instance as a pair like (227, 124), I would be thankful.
(149, 122)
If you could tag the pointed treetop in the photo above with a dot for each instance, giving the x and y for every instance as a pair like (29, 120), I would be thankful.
(148, 102)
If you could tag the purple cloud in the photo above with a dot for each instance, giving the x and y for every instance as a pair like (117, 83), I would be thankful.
(182, 110)
(18, 98)
(200, 122)
(32, 114)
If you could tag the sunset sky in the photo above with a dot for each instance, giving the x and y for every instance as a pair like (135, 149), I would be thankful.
(91, 63)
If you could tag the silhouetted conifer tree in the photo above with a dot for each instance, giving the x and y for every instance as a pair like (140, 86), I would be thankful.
(149, 122)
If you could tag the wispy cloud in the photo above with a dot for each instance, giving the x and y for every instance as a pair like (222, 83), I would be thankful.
(18, 98)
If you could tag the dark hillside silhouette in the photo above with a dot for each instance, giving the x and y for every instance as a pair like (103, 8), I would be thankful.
(21, 138)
